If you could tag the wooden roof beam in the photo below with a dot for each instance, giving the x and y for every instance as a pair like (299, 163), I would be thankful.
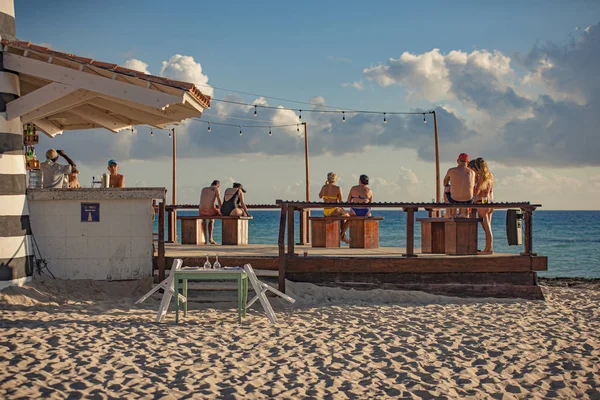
(64, 103)
(36, 99)
(48, 127)
(100, 117)
(84, 80)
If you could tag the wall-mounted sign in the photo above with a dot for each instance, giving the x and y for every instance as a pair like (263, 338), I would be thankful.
(90, 212)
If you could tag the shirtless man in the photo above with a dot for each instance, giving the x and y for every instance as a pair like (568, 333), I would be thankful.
(208, 196)
(459, 183)
(116, 180)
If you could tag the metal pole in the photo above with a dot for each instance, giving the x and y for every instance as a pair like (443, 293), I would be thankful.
(306, 162)
(305, 236)
(174, 193)
(437, 160)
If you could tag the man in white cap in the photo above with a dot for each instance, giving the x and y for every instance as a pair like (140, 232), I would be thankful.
(53, 172)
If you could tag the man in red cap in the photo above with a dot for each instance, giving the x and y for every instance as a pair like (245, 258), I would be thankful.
(459, 183)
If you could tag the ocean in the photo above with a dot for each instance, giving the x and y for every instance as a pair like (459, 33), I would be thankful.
(570, 239)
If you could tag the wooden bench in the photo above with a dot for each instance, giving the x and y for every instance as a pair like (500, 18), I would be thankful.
(451, 236)
(364, 231)
(235, 229)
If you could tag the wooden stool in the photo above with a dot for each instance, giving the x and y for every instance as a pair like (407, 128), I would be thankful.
(364, 232)
(461, 236)
(433, 235)
(325, 231)
(235, 230)
(191, 230)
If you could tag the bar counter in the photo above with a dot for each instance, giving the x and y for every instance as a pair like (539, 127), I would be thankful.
(89, 233)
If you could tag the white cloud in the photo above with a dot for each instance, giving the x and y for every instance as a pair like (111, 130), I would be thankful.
(137, 65)
(186, 69)
(359, 85)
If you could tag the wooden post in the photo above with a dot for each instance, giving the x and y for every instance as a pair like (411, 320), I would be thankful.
(281, 245)
(170, 227)
(173, 214)
(410, 232)
(161, 241)
(290, 230)
(528, 225)
(304, 214)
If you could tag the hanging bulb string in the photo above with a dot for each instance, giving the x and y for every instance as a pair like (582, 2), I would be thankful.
(246, 126)
(300, 111)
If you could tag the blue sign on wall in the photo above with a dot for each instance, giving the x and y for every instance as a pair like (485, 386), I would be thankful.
(90, 212)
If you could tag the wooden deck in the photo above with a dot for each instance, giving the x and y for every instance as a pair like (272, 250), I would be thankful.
(497, 275)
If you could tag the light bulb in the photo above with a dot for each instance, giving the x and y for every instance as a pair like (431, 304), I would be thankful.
(343, 116)
(169, 134)
(132, 130)
(240, 131)
(384, 120)
(270, 134)
(255, 111)
(300, 115)
(297, 128)
(151, 132)
(424, 120)
(209, 126)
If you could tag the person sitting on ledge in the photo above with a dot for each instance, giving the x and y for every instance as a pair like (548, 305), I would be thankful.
(332, 193)
(233, 202)
(361, 194)
(208, 197)
(459, 182)
(116, 180)
(53, 172)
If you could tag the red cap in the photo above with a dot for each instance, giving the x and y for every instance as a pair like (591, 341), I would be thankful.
(463, 157)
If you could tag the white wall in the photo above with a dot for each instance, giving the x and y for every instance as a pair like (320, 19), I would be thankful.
(119, 247)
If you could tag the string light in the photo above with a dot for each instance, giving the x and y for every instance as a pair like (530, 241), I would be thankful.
(255, 110)
(300, 115)
(208, 127)
(169, 133)
(270, 134)
(297, 128)
(343, 116)
(384, 119)
(424, 120)
(151, 132)
(132, 130)
(240, 130)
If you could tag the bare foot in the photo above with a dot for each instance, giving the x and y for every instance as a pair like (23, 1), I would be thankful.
(212, 241)
(485, 252)
(345, 239)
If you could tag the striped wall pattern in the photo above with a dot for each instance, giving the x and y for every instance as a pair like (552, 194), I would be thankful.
(16, 252)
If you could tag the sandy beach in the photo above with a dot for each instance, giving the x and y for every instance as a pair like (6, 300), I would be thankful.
(89, 340)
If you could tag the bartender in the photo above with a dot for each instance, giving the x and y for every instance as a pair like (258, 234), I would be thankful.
(116, 180)
(53, 172)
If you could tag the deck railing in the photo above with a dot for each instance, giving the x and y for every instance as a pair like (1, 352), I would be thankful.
(286, 222)
(289, 207)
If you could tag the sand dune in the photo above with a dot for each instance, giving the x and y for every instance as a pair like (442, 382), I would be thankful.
(61, 341)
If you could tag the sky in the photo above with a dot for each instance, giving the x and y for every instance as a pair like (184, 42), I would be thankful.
(513, 82)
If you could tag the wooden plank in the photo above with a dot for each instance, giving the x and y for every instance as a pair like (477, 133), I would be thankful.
(461, 236)
(290, 233)
(235, 231)
(281, 246)
(64, 103)
(36, 99)
(420, 264)
(161, 241)
(379, 279)
(192, 232)
(100, 117)
(410, 232)
(48, 127)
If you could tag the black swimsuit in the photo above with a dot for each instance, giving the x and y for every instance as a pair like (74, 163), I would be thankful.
(229, 205)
